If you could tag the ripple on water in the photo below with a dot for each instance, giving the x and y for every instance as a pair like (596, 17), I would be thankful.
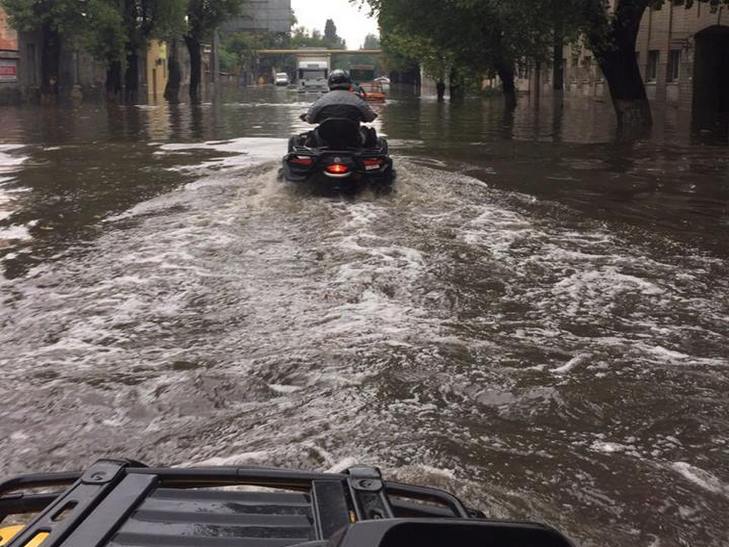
(446, 331)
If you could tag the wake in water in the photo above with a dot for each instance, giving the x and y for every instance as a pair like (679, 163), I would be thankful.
(448, 332)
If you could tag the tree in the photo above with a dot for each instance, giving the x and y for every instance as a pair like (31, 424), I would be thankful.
(612, 35)
(473, 36)
(203, 18)
(371, 41)
(331, 39)
(240, 49)
(492, 35)
(53, 19)
(112, 31)
(301, 37)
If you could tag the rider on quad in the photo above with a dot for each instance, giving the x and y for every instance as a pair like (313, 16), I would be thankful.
(341, 102)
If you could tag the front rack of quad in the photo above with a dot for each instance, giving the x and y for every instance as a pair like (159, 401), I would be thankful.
(123, 503)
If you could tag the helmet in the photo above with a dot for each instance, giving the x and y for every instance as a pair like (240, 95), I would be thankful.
(339, 79)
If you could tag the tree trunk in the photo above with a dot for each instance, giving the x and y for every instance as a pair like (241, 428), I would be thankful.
(193, 46)
(50, 63)
(619, 65)
(131, 77)
(506, 74)
(558, 61)
(172, 91)
(114, 80)
(456, 85)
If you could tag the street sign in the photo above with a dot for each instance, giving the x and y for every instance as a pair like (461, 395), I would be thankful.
(8, 70)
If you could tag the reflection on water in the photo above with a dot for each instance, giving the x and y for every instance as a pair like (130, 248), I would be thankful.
(535, 317)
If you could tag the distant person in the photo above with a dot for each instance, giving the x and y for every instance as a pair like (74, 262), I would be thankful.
(340, 102)
(440, 89)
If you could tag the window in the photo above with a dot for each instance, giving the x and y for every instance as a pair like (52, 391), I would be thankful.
(674, 65)
(311, 74)
(652, 70)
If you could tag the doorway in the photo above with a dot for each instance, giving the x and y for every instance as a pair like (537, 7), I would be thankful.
(711, 82)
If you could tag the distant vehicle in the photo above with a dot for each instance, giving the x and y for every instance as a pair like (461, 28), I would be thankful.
(373, 89)
(385, 82)
(282, 79)
(313, 74)
(374, 92)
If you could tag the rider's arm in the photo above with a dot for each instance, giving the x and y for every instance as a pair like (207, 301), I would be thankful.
(368, 115)
(313, 113)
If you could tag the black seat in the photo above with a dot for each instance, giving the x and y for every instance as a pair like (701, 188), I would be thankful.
(340, 133)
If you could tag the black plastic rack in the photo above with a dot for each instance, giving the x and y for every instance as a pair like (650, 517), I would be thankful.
(123, 503)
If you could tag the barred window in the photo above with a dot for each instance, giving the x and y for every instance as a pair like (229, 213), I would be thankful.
(674, 65)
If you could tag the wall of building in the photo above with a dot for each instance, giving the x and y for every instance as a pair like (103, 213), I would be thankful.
(9, 88)
(8, 37)
(156, 70)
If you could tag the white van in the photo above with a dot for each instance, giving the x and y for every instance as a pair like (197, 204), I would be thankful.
(313, 75)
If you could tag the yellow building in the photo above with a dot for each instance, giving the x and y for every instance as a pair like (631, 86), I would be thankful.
(8, 37)
(156, 75)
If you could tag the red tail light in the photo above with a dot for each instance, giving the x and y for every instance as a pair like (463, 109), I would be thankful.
(305, 161)
(372, 164)
(337, 169)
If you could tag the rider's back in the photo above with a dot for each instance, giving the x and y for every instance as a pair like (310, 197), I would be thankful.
(340, 104)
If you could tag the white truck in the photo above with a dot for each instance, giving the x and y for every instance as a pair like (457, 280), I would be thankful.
(313, 73)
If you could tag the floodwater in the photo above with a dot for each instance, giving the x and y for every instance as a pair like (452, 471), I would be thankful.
(536, 317)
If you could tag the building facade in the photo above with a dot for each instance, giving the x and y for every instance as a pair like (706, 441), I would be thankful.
(262, 16)
(9, 89)
(683, 56)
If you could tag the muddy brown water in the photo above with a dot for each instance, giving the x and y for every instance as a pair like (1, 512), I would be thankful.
(536, 317)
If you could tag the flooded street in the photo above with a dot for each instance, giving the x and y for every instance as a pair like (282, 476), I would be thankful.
(536, 317)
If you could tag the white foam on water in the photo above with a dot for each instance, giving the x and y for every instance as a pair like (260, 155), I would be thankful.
(15, 233)
(242, 459)
(9, 162)
(279, 388)
(240, 153)
(572, 364)
(344, 464)
(239, 321)
(608, 447)
(702, 479)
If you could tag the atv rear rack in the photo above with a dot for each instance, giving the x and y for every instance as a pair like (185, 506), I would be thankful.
(123, 503)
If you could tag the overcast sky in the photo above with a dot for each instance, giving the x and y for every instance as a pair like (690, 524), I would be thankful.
(352, 23)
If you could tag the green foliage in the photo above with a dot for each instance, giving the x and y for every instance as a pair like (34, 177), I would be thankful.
(301, 37)
(63, 16)
(371, 41)
(103, 27)
(105, 35)
(480, 35)
(204, 16)
(239, 50)
(331, 39)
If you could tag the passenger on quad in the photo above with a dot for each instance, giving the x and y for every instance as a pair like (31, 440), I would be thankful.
(340, 102)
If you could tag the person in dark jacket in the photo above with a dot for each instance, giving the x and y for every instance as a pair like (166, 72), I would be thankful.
(341, 102)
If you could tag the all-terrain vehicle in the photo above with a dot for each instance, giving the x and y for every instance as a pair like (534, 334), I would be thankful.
(338, 152)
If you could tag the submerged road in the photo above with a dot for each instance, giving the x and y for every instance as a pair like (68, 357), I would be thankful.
(535, 317)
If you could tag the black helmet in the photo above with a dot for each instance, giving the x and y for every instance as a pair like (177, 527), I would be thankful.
(339, 79)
